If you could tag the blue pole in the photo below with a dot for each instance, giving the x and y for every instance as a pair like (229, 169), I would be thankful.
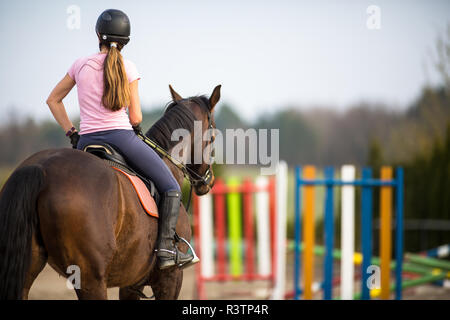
(297, 191)
(399, 234)
(329, 237)
(366, 232)
(360, 183)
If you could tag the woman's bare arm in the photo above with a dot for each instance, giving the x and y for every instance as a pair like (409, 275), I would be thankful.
(56, 105)
(134, 110)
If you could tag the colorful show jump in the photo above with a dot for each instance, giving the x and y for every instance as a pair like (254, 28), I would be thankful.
(240, 235)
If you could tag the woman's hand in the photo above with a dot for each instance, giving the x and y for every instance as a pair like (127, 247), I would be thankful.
(74, 137)
(138, 130)
(56, 105)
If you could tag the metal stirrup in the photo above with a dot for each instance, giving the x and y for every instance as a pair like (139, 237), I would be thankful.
(195, 259)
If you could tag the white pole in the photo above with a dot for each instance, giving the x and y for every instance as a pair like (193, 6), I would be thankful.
(206, 235)
(262, 227)
(347, 232)
(281, 194)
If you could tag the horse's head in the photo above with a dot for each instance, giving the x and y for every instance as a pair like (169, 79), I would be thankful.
(201, 163)
(194, 118)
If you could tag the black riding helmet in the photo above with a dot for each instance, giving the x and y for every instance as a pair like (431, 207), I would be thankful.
(113, 26)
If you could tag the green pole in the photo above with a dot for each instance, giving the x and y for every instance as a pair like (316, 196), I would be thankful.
(414, 268)
(414, 263)
(235, 226)
(408, 266)
(415, 282)
(427, 261)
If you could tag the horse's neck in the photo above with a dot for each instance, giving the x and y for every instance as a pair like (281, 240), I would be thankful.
(177, 173)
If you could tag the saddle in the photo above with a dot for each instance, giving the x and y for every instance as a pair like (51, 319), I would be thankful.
(145, 188)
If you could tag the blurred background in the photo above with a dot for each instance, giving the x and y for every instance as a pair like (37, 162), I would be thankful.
(343, 83)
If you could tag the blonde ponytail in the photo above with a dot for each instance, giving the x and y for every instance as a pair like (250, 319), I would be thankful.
(116, 92)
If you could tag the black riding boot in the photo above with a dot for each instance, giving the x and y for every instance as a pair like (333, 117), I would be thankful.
(167, 252)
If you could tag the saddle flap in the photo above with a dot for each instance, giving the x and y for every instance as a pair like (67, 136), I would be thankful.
(146, 199)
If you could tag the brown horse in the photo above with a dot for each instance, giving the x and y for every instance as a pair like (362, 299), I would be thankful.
(68, 207)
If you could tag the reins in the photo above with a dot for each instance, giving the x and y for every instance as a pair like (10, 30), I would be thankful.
(192, 176)
(187, 172)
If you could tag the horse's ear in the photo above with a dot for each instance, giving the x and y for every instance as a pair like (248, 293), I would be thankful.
(175, 96)
(215, 96)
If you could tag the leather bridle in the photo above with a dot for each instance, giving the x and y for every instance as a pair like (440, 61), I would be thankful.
(194, 178)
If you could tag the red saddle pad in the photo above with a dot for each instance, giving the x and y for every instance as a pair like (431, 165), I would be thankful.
(146, 199)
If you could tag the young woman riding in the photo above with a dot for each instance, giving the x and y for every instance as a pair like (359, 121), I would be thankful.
(107, 85)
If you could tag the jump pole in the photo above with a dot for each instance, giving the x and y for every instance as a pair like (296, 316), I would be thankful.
(280, 235)
(329, 236)
(234, 227)
(308, 234)
(399, 232)
(206, 236)
(220, 223)
(385, 232)
(262, 227)
(366, 232)
(347, 232)
(247, 198)
(297, 232)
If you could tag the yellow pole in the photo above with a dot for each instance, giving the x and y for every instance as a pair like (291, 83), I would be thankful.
(385, 232)
(308, 233)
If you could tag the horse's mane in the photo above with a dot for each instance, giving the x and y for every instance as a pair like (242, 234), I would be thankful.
(176, 116)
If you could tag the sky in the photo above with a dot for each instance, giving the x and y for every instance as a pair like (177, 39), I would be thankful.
(266, 54)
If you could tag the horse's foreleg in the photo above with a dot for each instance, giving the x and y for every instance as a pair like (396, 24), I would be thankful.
(167, 284)
(93, 283)
(96, 290)
(129, 293)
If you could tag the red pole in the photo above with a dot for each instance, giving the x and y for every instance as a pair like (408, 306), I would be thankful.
(198, 249)
(273, 221)
(248, 227)
(219, 206)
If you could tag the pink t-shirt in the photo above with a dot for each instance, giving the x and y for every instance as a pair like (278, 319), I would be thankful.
(87, 72)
